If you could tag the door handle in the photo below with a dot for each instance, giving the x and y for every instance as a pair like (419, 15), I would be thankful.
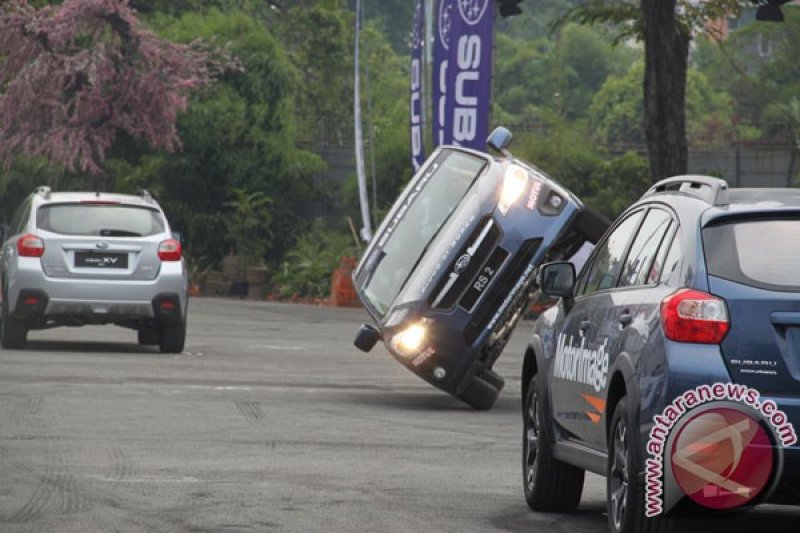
(585, 324)
(625, 318)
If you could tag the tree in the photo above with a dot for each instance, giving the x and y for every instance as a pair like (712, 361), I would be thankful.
(239, 133)
(666, 28)
(617, 111)
(666, 52)
(76, 74)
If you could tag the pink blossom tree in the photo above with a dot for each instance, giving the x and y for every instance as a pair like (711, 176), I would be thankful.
(74, 75)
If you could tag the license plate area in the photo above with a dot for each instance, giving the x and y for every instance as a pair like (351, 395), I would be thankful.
(483, 279)
(110, 260)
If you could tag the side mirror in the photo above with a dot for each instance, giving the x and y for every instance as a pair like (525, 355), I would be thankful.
(499, 140)
(557, 279)
(366, 338)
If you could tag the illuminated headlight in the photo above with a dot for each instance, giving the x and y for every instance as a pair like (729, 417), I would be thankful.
(409, 341)
(514, 183)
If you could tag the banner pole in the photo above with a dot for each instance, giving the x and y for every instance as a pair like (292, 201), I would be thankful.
(366, 230)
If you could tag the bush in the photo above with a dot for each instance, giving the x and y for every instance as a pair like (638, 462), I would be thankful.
(309, 264)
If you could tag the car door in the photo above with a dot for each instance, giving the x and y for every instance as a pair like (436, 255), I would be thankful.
(627, 329)
(579, 367)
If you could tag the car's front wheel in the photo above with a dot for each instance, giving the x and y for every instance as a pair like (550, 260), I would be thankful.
(550, 485)
(481, 393)
(172, 337)
(625, 487)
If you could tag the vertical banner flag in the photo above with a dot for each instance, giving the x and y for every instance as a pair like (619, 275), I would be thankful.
(441, 45)
(469, 72)
(417, 49)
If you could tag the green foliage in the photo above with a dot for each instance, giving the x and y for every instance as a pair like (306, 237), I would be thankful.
(567, 153)
(237, 135)
(248, 225)
(617, 183)
(617, 110)
(309, 264)
(533, 76)
(625, 15)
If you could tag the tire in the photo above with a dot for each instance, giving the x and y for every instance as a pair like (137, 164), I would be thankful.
(148, 336)
(494, 379)
(625, 486)
(171, 337)
(550, 485)
(480, 394)
(13, 333)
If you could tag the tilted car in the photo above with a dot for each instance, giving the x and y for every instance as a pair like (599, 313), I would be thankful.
(448, 273)
(79, 258)
(694, 286)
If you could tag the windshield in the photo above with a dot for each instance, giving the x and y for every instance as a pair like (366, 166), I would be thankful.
(99, 220)
(755, 253)
(392, 264)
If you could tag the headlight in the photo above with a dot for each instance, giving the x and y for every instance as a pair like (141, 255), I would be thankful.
(514, 183)
(409, 341)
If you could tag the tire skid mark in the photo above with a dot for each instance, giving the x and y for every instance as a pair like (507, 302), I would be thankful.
(121, 466)
(251, 411)
(37, 501)
(56, 489)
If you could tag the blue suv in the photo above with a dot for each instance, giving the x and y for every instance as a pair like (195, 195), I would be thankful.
(695, 287)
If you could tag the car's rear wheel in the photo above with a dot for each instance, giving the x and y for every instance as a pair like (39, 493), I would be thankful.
(172, 337)
(148, 336)
(549, 484)
(625, 487)
(13, 333)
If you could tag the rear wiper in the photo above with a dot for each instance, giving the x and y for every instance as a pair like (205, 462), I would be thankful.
(119, 233)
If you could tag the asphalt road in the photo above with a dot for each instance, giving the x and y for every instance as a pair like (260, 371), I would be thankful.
(270, 421)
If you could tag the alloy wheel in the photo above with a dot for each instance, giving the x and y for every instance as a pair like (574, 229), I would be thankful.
(618, 475)
(532, 438)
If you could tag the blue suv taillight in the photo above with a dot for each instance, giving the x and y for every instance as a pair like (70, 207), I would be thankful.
(689, 315)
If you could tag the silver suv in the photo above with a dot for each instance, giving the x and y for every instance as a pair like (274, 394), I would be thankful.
(79, 258)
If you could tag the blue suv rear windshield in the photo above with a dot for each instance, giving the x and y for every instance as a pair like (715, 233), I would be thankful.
(760, 253)
(104, 220)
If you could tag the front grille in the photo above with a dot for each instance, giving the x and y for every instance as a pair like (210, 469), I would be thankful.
(499, 292)
(479, 246)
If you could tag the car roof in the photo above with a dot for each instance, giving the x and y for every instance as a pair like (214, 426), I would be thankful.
(760, 198)
(75, 197)
(744, 202)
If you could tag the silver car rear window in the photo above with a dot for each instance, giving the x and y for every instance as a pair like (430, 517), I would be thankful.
(107, 220)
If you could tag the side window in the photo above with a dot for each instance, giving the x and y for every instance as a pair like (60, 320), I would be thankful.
(609, 255)
(644, 248)
(673, 261)
(658, 264)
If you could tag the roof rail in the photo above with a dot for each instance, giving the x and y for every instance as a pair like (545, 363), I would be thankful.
(712, 190)
(43, 191)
